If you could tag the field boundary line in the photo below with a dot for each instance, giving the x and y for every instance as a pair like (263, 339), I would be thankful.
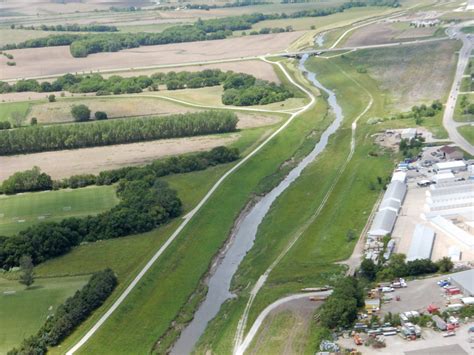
(190, 215)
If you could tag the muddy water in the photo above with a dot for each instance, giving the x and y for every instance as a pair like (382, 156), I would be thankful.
(245, 231)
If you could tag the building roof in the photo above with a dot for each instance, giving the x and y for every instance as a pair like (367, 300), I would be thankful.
(465, 279)
(448, 150)
(450, 165)
(396, 190)
(453, 230)
(383, 223)
(399, 176)
(391, 204)
(421, 243)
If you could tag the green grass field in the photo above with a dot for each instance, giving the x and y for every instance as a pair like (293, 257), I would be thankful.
(466, 85)
(468, 132)
(468, 29)
(7, 109)
(18, 212)
(23, 311)
(459, 113)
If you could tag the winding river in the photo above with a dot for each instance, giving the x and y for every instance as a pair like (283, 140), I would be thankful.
(219, 282)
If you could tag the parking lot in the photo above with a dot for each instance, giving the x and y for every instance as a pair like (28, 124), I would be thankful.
(416, 297)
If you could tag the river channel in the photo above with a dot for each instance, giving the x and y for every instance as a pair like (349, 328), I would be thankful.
(245, 231)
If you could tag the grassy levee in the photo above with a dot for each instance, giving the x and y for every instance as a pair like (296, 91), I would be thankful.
(467, 132)
(23, 311)
(148, 311)
(323, 241)
(18, 212)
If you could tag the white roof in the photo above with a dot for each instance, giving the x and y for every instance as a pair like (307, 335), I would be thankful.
(421, 243)
(444, 176)
(391, 204)
(383, 223)
(396, 190)
(454, 253)
(453, 231)
(399, 176)
(465, 279)
(450, 165)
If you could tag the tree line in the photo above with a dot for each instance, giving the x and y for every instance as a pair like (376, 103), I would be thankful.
(70, 314)
(35, 180)
(239, 89)
(68, 28)
(99, 133)
(202, 30)
(146, 202)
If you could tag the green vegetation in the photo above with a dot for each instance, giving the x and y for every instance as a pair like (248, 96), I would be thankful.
(410, 148)
(83, 45)
(26, 181)
(68, 28)
(14, 112)
(81, 113)
(467, 132)
(23, 311)
(70, 314)
(468, 29)
(464, 111)
(467, 84)
(22, 211)
(99, 133)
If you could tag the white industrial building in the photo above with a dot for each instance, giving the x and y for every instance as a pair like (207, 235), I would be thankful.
(465, 281)
(408, 133)
(453, 231)
(383, 223)
(399, 176)
(422, 243)
(450, 166)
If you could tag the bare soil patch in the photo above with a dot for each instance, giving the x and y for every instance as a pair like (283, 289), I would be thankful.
(379, 33)
(62, 164)
(33, 62)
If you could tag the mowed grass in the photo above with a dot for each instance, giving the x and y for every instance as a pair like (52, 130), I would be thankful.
(7, 110)
(17, 212)
(23, 311)
(151, 307)
(459, 114)
(467, 132)
(322, 241)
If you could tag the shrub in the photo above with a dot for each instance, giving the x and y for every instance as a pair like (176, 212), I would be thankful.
(100, 115)
(52, 98)
(28, 180)
(80, 113)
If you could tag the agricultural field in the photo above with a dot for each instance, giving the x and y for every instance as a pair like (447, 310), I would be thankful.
(417, 72)
(23, 311)
(18, 212)
(14, 112)
(45, 62)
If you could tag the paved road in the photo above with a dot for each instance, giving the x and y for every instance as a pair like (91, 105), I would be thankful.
(190, 215)
(448, 117)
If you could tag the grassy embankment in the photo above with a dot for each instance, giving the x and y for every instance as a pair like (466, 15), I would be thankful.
(23, 311)
(468, 132)
(17, 212)
(188, 258)
(323, 241)
(7, 110)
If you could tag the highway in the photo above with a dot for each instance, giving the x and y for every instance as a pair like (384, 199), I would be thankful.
(448, 117)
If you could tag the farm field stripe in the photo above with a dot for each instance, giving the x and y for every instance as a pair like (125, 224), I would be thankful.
(190, 215)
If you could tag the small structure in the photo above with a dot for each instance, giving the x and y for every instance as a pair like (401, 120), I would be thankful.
(451, 153)
(464, 280)
(372, 305)
(408, 133)
(399, 176)
(422, 243)
(453, 166)
(440, 323)
(383, 224)
(444, 178)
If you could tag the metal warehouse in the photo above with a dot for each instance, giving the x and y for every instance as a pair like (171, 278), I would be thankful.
(422, 243)
(465, 281)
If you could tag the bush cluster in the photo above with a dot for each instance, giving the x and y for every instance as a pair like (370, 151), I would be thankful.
(70, 314)
(144, 205)
(29, 180)
(340, 308)
(68, 28)
(99, 133)
(5, 125)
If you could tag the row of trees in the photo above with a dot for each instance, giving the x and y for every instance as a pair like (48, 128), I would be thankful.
(144, 204)
(28, 180)
(397, 267)
(70, 314)
(212, 29)
(68, 28)
(99, 133)
(34, 180)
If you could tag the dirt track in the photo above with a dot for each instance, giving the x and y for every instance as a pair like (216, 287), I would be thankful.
(33, 62)
(65, 163)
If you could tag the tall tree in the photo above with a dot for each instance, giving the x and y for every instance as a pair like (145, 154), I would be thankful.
(27, 276)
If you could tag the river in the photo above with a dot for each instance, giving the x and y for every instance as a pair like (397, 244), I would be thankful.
(245, 231)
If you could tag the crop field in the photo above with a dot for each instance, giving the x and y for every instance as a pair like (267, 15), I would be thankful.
(417, 73)
(8, 36)
(23, 311)
(468, 132)
(64, 163)
(33, 62)
(20, 211)
(385, 33)
(14, 109)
